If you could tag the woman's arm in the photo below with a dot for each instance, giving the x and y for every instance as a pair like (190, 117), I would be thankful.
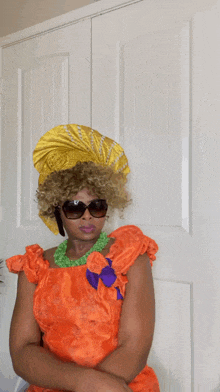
(136, 324)
(40, 367)
(32, 362)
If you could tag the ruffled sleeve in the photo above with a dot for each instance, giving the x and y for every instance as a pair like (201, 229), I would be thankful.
(130, 243)
(32, 263)
(111, 271)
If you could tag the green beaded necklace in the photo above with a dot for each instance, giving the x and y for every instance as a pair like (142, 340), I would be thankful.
(63, 261)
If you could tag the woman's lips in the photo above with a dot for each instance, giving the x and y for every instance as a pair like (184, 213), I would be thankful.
(87, 229)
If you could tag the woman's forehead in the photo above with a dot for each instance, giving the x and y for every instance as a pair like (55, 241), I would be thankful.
(84, 195)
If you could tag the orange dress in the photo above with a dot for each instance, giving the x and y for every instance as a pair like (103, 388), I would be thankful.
(78, 313)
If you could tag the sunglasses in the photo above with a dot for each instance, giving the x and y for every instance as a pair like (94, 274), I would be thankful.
(75, 209)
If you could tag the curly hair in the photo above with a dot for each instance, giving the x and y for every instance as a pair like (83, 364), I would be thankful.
(61, 185)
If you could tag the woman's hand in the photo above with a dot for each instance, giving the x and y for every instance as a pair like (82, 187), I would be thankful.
(96, 381)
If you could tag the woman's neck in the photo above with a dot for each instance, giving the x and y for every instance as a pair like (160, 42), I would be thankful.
(77, 248)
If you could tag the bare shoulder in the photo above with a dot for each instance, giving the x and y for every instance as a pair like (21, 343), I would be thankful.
(49, 256)
(141, 266)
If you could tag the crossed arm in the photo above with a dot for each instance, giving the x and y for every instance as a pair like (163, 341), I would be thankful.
(136, 324)
(40, 367)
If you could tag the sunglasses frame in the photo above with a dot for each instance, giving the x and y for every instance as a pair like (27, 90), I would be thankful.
(85, 208)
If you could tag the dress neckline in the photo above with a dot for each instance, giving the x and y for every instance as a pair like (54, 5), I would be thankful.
(75, 266)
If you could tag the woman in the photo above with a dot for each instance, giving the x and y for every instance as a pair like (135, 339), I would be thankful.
(91, 297)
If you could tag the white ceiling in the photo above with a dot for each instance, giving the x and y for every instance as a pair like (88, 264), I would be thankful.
(16, 15)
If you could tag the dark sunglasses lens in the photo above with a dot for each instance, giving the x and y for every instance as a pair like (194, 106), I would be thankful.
(74, 210)
(98, 208)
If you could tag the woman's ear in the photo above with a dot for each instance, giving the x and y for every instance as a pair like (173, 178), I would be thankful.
(59, 221)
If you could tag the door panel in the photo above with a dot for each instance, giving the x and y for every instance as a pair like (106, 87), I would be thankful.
(46, 82)
(156, 91)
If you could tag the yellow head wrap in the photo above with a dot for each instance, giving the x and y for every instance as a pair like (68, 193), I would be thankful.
(65, 145)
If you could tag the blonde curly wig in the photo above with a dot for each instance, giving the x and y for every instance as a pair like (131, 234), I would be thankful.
(61, 185)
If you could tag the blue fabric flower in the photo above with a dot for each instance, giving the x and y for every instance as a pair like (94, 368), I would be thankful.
(107, 275)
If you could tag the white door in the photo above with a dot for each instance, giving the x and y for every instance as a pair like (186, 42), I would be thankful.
(46, 82)
(156, 89)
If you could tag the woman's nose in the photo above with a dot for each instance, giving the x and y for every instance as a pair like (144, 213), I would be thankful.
(86, 215)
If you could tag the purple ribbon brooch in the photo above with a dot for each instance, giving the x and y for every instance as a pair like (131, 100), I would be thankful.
(107, 275)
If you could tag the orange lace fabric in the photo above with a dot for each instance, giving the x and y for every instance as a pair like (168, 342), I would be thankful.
(81, 323)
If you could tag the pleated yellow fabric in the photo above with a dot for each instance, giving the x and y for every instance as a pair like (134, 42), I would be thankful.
(65, 145)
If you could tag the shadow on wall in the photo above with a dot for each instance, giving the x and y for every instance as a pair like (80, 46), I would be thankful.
(21, 385)
(169, 384)
(166, 381)
(1, 266)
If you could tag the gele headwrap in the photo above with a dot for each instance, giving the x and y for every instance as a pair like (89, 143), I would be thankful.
(65, 145)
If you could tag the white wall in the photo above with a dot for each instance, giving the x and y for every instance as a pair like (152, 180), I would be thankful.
(16, 15)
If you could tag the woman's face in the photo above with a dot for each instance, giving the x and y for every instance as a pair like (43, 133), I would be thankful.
(77, 228)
